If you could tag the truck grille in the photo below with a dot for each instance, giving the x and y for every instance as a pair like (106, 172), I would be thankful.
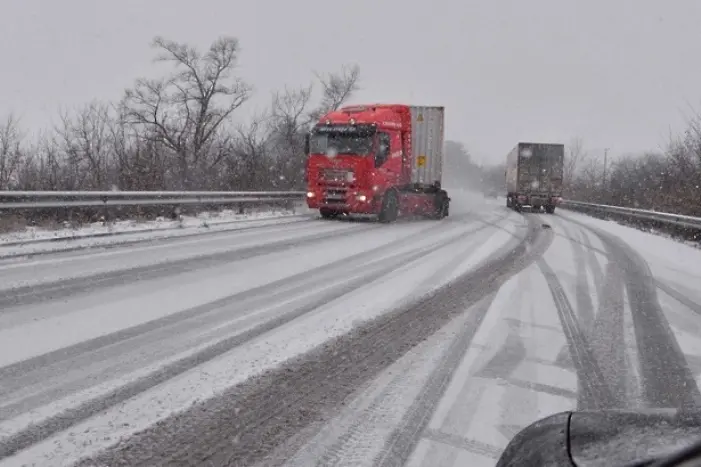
(335, 196)
(336, 176)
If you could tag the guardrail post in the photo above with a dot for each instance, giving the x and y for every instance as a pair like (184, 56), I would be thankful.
(105, 211)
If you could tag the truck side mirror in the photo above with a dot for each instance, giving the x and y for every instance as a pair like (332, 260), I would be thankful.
(307, 144)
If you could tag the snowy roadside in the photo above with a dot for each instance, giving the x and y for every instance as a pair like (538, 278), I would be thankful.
(647, 230)
(673, 264)
(34, 240)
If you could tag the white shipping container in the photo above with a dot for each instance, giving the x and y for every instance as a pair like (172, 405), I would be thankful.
(427, 134)
(512, 170)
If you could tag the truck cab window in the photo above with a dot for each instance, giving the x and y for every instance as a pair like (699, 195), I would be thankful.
(349, 144)
(383, 147)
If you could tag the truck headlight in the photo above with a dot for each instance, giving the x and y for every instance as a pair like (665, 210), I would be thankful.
(310, 194)
(361, 198)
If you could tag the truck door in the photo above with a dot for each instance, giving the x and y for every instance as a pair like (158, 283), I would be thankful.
(383, 149)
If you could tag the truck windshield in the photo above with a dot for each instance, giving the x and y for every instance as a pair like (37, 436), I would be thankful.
(336, 143)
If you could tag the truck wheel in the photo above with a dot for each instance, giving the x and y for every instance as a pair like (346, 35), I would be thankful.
(550, 209)
(390, 207)
(442, 205)
(508, 202)
(328, 214)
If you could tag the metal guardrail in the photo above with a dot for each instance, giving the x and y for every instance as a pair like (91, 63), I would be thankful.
(65, 199)
(641, 214)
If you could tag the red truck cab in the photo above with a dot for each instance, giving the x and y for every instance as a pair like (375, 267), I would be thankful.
(364, 160)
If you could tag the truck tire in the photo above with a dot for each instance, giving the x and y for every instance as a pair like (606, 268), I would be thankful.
(328, 214)
(550, 209)
(390, 207)
(442, 205)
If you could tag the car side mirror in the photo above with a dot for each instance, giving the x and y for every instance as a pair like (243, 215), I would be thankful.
(307, 144)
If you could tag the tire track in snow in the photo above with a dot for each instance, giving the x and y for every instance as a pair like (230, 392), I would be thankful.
(593, 262)
(667, 380)
(585, 307)
(276, 291)
(263, 413)
(497, 367)
(20, 377)
(363, 435)
(28, 295)
(594, 391)
(590, 250)
(38, 432)
(607, 336)
(359, 442)
(679, 296)
(450, 268)
(359, 434)
(405, 437)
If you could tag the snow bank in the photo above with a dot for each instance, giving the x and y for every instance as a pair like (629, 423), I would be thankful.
(33, 240)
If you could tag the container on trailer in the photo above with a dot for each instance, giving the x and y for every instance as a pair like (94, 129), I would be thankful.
(427, 126)
(540, 168)
(512, 170)
(534, 175)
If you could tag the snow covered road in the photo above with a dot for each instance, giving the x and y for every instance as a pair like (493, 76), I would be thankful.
(311, 342)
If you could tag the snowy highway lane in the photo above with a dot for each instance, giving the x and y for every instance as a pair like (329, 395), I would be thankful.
(341, 343)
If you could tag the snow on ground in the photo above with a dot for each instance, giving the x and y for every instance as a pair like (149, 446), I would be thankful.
(340, 298)
(673, 262)
(329, 278)
(90, 264)
(676, 267)
(499, 381)
(517, 368)
(33, 240)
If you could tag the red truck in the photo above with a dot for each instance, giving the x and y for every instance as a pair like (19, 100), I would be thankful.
(379, 159)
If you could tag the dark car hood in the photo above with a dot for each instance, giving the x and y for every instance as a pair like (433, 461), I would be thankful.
(603, 438)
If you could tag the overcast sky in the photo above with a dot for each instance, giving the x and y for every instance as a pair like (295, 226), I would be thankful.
(617, 73)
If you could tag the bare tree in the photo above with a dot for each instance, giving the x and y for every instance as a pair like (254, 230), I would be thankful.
(11, 138)
(248, 162)
(289, 119)
(186, 109)
(86, 141)
(291, 116)
(337, 89)
(574, 158)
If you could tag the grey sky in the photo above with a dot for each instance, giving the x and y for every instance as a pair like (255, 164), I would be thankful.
(617, 73)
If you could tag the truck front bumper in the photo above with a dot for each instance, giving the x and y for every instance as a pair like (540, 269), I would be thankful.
(350, 202)
(538, 200)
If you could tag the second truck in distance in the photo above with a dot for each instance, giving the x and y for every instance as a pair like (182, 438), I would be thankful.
(534, 173)
(378, 159)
